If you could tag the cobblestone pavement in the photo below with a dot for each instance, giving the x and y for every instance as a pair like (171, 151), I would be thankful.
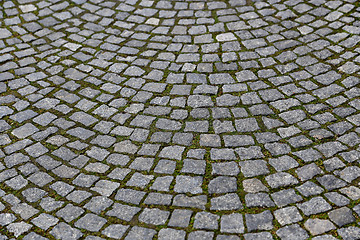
(142, 119)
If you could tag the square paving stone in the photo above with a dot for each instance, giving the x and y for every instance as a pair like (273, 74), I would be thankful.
(158, 199)
(40, 178)
(232, 223)
(139, 180)
(162, 183)
(254, 185)
(258, 236)
(229, 201)
(69, 212)
(277, 148)
(308, 171)
(84, 180)
(90, 222)
(227, 168)
(281, 179)
(333, 163)
(260, 221)
(287, 215)
(33, 194)
(222, 184)
(81, 133)
(258, 200)
(49, 204)
(115, 231)
(292, 232)
(64, 231)
(44, 221)
(98, 204)
(283, 163)
(193, 166)
(165, 166)
(222, 154)
(24, 210)
(349, 232)
(200, 235)
(154, 216)
(6, 218)
(309, 189)
(337, 199)
(205, 220)
(36, 150)
(142, 164)
(252, 168)
(249, 152)
(140, 233)
(168, 233)
(16, 183)
(15, 159)
(198, 202)
(341, 216)
(78, 196)
(286, 197)
(210, 140)
(189, 184)
(129, 196)
(123, 212)
(61, 188)
(246, 125)
(318, 226)
(352, 192)
(330, 182)
(33, 236)
(180, 218)
(314, 206)
(172, 152)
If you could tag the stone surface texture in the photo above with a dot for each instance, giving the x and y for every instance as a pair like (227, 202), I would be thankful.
(179, 119)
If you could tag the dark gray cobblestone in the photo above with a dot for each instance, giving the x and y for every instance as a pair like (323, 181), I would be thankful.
(171, 119)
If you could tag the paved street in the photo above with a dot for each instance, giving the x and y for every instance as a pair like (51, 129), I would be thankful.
(179, 119)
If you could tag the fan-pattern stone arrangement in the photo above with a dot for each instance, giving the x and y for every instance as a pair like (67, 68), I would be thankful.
(171, 120)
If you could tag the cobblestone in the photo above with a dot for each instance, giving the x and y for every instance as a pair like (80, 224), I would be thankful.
(178, 119)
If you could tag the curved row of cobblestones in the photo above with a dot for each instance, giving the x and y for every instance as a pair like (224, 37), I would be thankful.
(153, 119)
